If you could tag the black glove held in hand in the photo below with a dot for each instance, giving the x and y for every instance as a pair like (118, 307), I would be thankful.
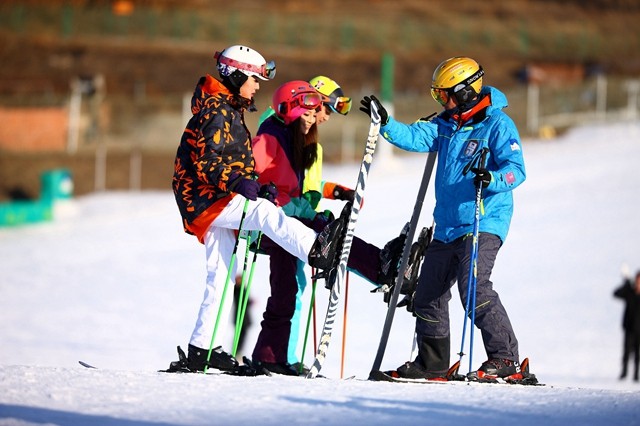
(483, 177)
(343, 193)
(269, 192)
(407, 302)
(321, 220)
(366, 108)
(247, 187)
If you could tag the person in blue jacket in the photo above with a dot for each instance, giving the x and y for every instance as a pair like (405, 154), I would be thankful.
(473, 119)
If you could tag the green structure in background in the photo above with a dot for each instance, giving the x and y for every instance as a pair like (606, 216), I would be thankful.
(56, 185)
(386, 84)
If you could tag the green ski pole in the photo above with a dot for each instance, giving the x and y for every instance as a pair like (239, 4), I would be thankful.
(226, 285)
(244, 292)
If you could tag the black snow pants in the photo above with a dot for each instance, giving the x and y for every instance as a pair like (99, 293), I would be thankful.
(446, 263)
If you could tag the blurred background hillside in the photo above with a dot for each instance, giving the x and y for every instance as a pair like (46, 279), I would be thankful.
(101, 86)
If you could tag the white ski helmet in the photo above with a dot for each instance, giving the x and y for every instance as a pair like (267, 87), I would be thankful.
(245, 60)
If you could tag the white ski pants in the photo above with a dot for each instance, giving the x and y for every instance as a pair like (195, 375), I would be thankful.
(262, 215)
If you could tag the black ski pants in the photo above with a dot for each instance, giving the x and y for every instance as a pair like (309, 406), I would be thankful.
(446, 263)
(631, 346)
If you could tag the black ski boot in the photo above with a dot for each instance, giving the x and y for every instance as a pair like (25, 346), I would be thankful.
(245, 369)
(509, 371)
(197, 359)
(324, 252)
(495, 368)
(300, 368)
(390, 256)
(283, 368)
(412, 273)
(179, 366)
(432, 362)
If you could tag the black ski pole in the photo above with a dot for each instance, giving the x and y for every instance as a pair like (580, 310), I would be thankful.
(413, 224)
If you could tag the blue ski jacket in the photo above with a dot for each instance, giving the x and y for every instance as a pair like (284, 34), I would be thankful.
(457, 140)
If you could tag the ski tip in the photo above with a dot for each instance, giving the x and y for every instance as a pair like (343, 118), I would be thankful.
(84, 364)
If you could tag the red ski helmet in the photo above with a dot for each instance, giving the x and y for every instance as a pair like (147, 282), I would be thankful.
(293, 99)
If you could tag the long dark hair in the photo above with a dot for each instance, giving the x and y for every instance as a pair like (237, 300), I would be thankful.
(305, 147)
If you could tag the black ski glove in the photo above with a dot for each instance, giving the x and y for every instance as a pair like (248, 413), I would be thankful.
(407, 301)
(244, 186)
(366, 108)
(269, 192)
(321, 220)
(343, 193)
(483, 177)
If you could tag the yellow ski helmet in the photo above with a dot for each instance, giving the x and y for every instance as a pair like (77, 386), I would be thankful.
(333, 95)
(458, 76)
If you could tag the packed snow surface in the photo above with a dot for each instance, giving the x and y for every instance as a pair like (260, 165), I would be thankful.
(114, 281)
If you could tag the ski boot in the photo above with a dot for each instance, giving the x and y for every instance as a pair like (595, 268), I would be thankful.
(324, 252)
(179, 366)
(220, 360)
(282, 368)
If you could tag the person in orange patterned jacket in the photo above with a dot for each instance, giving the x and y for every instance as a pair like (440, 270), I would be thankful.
(215, 188)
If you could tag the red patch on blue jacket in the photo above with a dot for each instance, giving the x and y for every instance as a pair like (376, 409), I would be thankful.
(510, 178)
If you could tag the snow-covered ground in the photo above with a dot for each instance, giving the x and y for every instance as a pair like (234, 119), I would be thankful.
(114, 281)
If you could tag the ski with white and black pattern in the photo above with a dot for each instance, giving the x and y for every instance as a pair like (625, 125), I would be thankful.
(341, 270)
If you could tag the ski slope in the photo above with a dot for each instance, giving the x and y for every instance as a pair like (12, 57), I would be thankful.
(114, 281)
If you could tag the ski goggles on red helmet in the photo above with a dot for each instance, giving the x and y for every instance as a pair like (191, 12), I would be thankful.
(310, 101)
(266, 70)
(306, 101)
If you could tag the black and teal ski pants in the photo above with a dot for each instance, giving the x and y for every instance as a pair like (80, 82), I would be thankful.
(446, 263)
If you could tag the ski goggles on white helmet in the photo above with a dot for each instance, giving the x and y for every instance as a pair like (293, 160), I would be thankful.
(266, 71)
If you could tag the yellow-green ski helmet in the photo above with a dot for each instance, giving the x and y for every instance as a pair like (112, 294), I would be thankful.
(334, 96)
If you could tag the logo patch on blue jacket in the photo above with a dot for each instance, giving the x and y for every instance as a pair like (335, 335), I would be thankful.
(471, 148)
(515, 146)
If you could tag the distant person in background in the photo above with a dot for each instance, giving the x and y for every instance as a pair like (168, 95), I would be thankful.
(629, 291)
